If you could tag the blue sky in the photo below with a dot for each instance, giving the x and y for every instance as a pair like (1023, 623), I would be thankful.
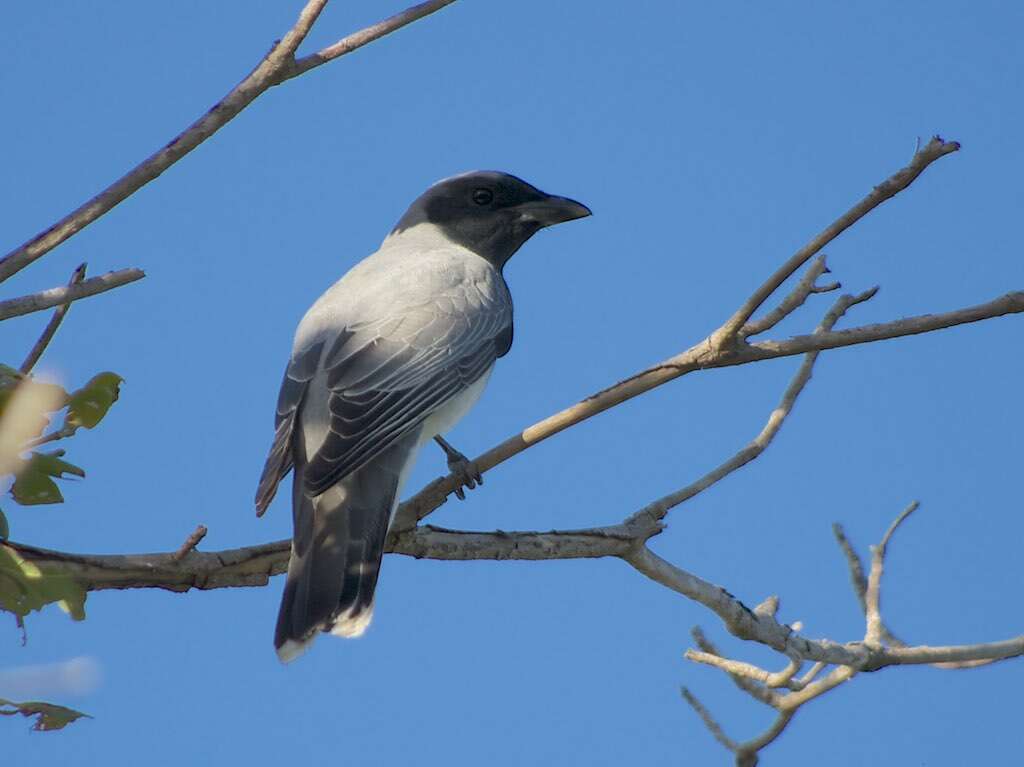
(711, 140)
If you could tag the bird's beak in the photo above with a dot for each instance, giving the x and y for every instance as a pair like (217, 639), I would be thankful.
(552, 210)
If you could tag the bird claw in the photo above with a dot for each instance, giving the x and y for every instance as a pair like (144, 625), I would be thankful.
(463, 469)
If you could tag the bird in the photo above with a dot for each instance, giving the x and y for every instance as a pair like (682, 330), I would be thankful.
(389, 358)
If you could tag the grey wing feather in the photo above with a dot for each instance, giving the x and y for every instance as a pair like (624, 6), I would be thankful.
(382, 387)
(384, 378)
(297, 376)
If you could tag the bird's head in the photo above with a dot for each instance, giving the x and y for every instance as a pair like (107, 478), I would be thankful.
(489, 212)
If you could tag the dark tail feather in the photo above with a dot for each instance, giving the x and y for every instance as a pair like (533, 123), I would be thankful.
(336, 553)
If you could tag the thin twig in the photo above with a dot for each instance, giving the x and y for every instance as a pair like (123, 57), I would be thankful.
(812, 672)
(709, 721)
(276, 67)
(51, 327)
(858, 580)
(923, 157)
(738, 668)
(873, 635)
(793, 700)
(65, 431)
(804, 289)
(754, 689)
(659, 508)
(364, 36)
(47, 299)
(860, 584)
(746, 754)
(190, 543)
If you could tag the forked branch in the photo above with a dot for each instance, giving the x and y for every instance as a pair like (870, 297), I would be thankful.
(275, 68)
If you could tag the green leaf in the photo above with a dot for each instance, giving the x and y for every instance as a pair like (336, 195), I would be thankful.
(24, 587)
(49, 716)
(5, 529)
(88, 405)
(34, 486)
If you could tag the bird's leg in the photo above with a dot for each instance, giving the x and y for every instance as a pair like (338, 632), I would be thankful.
(460, 466)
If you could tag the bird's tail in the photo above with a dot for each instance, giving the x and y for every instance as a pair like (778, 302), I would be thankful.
(336, 553)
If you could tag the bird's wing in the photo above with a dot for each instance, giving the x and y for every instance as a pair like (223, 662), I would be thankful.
(387, 376)
(297, 375)
(383, 377)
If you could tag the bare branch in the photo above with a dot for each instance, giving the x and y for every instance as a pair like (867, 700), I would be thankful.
(47, 299)
(190, 543)
(792, 701)
(51, 327)
(746, 754)
(857, 578)
(892, 186)
(860, 585)
(703, 356)
(755, 689)
(805, 288)
(872, 611)
(709, 721)
(364, 36)
(738, 668)
(276, 67)
(745, 624)
(659, 508)
(1011, 303)
(254, 565)
(956, 656)
(812, 672)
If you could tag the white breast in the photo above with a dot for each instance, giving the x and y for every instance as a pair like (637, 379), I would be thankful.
(439, 422)
(449, 414)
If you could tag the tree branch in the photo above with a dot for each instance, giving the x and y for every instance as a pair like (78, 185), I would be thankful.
(659, 508)
(875, 655)
(793, 301)
(254, 565)
(51, 327)
(702, 356)
(889, 188)
(276, 67)
(47, 299)
(364, 36)
(872, 594)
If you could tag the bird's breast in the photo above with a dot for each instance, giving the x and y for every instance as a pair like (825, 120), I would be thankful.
(452, 411)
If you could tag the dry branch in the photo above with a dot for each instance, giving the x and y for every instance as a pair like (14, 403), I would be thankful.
(659, 508)
(875, 654)
(51, 327)
(923, 157)
(276, 67)
(803, 290)
(702, 356)
(190, 543)
(47, 299)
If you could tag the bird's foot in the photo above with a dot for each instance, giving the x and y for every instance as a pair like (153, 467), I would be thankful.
(463, 469)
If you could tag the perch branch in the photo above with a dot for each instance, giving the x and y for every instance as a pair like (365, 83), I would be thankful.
(703, 356)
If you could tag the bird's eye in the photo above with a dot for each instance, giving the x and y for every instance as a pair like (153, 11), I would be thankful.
(483, 196)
